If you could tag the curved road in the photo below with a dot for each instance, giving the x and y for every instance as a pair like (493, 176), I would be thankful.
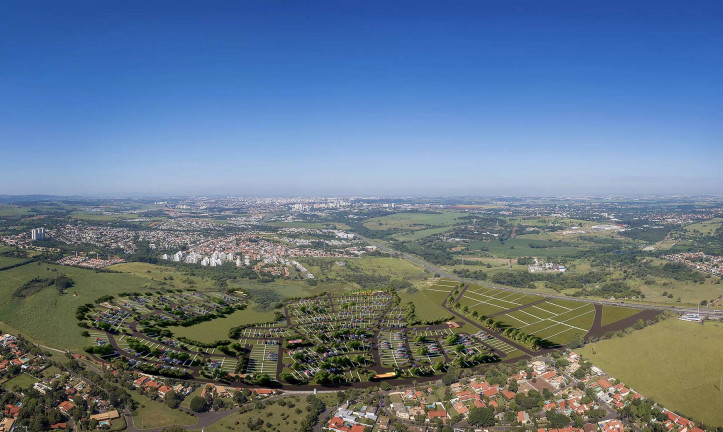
(442, 272)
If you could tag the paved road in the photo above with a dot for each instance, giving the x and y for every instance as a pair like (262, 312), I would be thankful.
(444, 273)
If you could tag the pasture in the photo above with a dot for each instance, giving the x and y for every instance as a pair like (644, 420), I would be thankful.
(413, 221)
(48, 317)
(521, 246)
(675, 362)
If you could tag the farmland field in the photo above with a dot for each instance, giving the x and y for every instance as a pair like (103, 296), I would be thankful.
(676, 362)
(412, 220)
(520, 246)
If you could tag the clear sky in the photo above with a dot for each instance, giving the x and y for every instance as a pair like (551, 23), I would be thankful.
(296, 97)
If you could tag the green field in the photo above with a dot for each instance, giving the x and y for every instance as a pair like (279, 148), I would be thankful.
(413, 220)
(416, 235)
(24, 381)
(675, 362)
(9, 261)
(612, 314)
(280, 418)
(48, 317)
(349, 275)
(705, 228)
(217, 329)
(426, 303)
(152, 414)
(520, 246)
(157, 273)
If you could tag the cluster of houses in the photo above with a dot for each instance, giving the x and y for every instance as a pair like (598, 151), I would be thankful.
(124, 238)
(151, 384)
(548, 267)
(617, 396)
(562, 394)
(478, 393)
(348, 418)
(14, 355)
(73, 387)
(87, 262)
(699, 261)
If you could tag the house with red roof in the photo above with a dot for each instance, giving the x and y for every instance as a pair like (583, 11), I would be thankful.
(66, 407)
(11, 411)
(461, 409)
(140, 381)
(508, 394)
(433, 414)
(523, 417)
(480, 386)
(490, 392)
(337, 424)
(163, 391)
(605, 384)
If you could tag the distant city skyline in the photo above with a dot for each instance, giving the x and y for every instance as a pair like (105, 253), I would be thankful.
(320, 98)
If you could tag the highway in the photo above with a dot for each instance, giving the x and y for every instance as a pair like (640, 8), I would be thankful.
(444, 273)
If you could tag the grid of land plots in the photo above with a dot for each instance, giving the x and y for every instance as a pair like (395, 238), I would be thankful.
(488, 301)
(554, 320)
(350, 337)
(263, 358)
(392, 346)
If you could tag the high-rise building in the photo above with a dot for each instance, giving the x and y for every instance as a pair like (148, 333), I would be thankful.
(38, 234)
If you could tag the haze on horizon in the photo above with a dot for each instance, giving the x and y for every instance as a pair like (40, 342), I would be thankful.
(361, 98)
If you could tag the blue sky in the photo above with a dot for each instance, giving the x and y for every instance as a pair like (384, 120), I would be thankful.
(361, 97)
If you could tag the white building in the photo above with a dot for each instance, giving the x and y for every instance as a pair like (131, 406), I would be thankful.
(38, 234)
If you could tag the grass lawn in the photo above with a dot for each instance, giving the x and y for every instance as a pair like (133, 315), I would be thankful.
(217, 329)
(615, 313)
(519, 246)
(675, 362)
(413, 220)
(9, 261)
(48, 317)
(280, 418)
(395, 268)
(425, 306)
(705, 227)
(156, 273)
(186, 403)
(416, 235)
(24, 381)
(153, 414)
